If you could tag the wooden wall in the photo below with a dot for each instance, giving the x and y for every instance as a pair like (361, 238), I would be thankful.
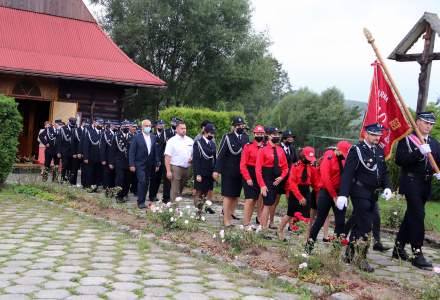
(48, 87)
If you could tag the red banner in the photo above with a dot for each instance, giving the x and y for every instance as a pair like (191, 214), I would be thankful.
(384, 109)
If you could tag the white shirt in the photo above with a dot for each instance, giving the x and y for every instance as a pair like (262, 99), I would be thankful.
(147, 141)
(180, 149)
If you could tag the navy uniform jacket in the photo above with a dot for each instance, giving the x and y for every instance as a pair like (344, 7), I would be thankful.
(64, 141)
(76, 140)
(48, 137)
(138, 153)
(119, 150)
(366, 168)
(105, 145)
(169, 133)
(414, 165)
(203, 157)
(293, 157)
(229, 155)
(91, 143)
(161, 140)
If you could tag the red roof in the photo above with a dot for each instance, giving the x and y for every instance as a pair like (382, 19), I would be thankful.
(34, 43)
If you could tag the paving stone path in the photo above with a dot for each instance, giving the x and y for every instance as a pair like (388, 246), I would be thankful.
(49, 253)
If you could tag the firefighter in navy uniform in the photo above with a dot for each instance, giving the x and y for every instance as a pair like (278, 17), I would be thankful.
(228, 164)
(156, 178)
(118, 160)
(65, 148)
(108, 181)
(48, 138)
(415, 183)
(91, 144)
(77, 152)
(364, 173)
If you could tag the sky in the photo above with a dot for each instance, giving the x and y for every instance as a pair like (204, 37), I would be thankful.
(320, 43)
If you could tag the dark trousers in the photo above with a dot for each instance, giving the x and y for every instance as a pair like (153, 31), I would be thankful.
(93, 173)
(123, 180)
(375, 226)
(143, 175)
(325, 202)
(49, 155)
(155, 180)
(364, 206)
(83, 167)
(412, 229)
(108, 180)
(76, 163)
(66, 167)
(166, 185)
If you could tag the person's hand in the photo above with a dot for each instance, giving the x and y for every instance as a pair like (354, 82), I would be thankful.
(302, 201)
(157, 169)
(425, 149)
(86, 161)
(437, 176)
(341, 202)
(387, 194)
(79, 155)
(264, 191)
(111, 167)
(74, 156)
(215, 176)
(59, 155)
(249, 182)
(199, 178)
(190, 160)
(169, 175)
(277, 181)
(133, 169)
(103, 163)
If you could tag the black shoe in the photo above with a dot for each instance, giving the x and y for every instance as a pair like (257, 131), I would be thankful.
(379, 247)
(365, 266)
(421, 262)
(400, 253)
(209, 210)
(234, 217)
(154, 200)
(142, 206)
(309, 246)
(257, 221)
(165, 201)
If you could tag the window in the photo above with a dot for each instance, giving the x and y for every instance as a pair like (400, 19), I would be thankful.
(27, 88)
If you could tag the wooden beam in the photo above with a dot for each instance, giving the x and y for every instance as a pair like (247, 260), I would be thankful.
(416, 57)
(425, 68)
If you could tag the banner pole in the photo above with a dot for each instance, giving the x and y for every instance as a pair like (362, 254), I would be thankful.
(402, 103)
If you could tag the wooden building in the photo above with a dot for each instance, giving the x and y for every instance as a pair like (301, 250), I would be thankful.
(57, 62)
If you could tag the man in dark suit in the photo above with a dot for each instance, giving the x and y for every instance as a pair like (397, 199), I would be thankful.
(104, 152)
(144, 159)
(65, 149)
(157, 176)
(92, 140)
(47, 137)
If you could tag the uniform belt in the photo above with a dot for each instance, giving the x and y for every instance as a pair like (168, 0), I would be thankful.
(419, 176)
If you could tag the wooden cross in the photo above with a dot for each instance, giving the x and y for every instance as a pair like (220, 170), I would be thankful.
(428, 26)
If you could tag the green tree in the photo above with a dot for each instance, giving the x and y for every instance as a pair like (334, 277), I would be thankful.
(310, 114)
(205, 50)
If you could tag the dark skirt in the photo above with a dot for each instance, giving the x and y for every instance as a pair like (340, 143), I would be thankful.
(269, 178)
(207, 184)
(293, 205)
(251, 192)
(231, 186)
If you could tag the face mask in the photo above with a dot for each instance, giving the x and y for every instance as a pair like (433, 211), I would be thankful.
(287, 143)
(239, 130)
(275, 140)
(72, 124)
(99, 127)
(147, 130)
(210, 137)
(173, 126)
(115, 129)
(259, 138)
(125, 130)
(304, 160)
(159, 130)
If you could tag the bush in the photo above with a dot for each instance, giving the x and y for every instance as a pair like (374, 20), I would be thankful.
(193, 117)
(393, 211)
(11, 122)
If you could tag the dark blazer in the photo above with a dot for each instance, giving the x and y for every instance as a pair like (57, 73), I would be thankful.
(293, 157)
(91, 145)
(105, 145)
(64, 141)
(203, 157)
(48, 136)
(138, 153)
(119, 151)
(76, 140)
(228, 163)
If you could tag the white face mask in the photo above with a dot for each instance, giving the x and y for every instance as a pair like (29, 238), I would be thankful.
(147, 130)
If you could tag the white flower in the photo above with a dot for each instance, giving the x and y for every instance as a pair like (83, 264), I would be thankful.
(188, 207)
(302, 266)
(178, 199)
(241, 227)
(181, 214)
(171, 209)
(186, 221)
(304, 255)
(214, 236)
(395, 213)
(436, 270)
(222, 234)
(208, 202)
(259, 228)
(192, 217)
(203, 219)
(223, 241)
(172, 219)
(168, 204)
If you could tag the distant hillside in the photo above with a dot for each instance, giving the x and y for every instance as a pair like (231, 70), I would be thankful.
(362, 105)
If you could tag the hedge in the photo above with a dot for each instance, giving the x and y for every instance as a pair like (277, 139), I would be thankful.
(193, 117)
(11, 125)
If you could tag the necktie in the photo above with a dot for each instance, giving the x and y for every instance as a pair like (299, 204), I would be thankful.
(276, 166)
(239, 137)
(304, 174)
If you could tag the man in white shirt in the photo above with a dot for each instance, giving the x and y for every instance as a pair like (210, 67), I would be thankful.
(178, 157)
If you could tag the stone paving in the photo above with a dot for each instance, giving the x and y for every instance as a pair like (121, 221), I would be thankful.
(49, 253)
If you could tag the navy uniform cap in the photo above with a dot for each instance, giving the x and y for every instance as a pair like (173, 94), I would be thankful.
(272, 130)
(237, 121)
(125, 123)
(426, 116)
(210, 128)
(160, 122)
(288, 133)
(99, 120)
(175, 120)
(374, 129)
(58, 121)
